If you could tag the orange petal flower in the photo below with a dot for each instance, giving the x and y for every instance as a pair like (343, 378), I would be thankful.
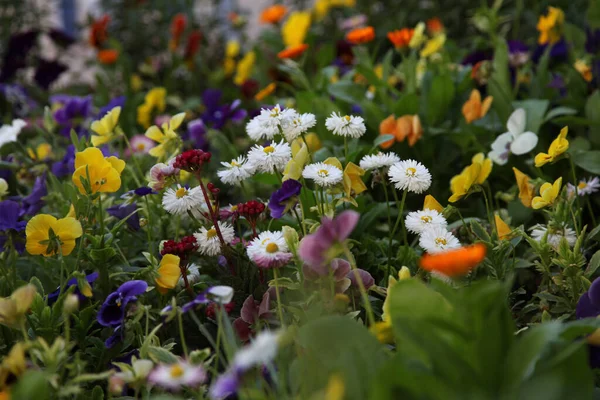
(361, 35)
(434, 25)
(98, 31)
(178, 24)
(273, 14)
(388, 127)
(526, 189)
(266, 92)
(193, 44)
(401, 38)
(416, 132)
(474, 108)
(293, 52)
(108, 56)
(454, 262)
(502, 228)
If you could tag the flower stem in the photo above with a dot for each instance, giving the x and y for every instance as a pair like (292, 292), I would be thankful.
(489, 212)
(361, 286)
(279, 310)
(181, 335)
(346, 149)
(400, 206)
(575, 221)
(310, 157)
(389, 218)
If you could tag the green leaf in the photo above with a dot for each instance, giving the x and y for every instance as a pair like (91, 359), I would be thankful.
(593, 265)
(32, 385)
(346, 91)
(407, 104)
(592, 106)
(499, 85)
(440, 96)
(588, 160)
(160, 355)
(480, 231)
(558, 111)
(382, 139)
(593, 15)
(535, 109)
(369, 217)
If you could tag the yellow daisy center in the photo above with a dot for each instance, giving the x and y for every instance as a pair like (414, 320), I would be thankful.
(272, 247)
(582, 185)
(234, 164)
(323, 173)
(211, 233)
(234, 208)
(275, 112)
(411, 171)
(269, 149)
(426, 219)
(440, 241)
(176, 371)
(141, 146)
(347, 118)
(181, 192)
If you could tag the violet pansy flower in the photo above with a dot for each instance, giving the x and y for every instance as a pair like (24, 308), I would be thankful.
(588, 306)
(11, 226)
(112, 311)
(66, 166)
(122, 211)
(218, 115)
(73, 113)
(91, 278)
(285, 198)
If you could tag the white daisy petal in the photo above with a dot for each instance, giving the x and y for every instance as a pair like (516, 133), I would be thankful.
(410, 175)
(379, 160)
(437, 240)
(208, 240)
(270, 158)
(418, 221)
(236, 171)
(323, 174)
(347, 125)
(181, 200)
(269, 250)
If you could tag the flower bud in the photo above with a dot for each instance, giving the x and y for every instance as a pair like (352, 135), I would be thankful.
(291, 238)
(546, 317)
(404, 273)
(116, 385)
(143, 222)
(71, 304)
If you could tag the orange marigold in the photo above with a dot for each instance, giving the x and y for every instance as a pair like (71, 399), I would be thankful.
(361, 35)
(293, 51)
(434, 25)
(401, 37)
(108, 56)
(456, 262)
(273, 14)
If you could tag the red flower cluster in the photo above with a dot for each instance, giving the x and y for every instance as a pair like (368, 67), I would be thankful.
(251, 210)
(192, 160)
(211, 309)
(182, 248)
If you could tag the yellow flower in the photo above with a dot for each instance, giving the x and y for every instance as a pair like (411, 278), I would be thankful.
(294, 167)
(502, 228)
(105, 128)
(474, 174)
(232, 49)
(294, 30)
(352, 182)
(404, 273)
(322, 7)
(14, 308)
(42, 152)
(228, 66)
(155, 100)
(244, 68)
(525, 188)
(418, 36)
(548, 194)
(168, 273)
(383, 331)
(433, 45)
(431, 203)
(474, 108)
(167, 139)
(550, 26)
(312, 140)
(3, 187)
(46, 234)
(584, 69)
(103, 174)
(71, 213)
(13, 365)
(335, 389)
(556, 149)
(135, 82)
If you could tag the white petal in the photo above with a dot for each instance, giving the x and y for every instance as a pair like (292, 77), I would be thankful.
(222, 294)
(516, 122)
(498, 158)
(524, 143)
(502, 142)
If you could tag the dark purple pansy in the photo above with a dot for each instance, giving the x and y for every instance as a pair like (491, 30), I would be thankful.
(47, 72)
(557, 82)
(11, 226)
(116, 102)
(588, 306)
(122, 211)
(15, 55)
(226, 384)
(33, 203)
(143, 191)
(52, 297)
(592, 40)
(66, 166)
(112, 311)
(217, 114)
(73, 113)
(518, 53)
(477, 57)
(196, 133)
(365, 277)
(285, 198)
(558, 51)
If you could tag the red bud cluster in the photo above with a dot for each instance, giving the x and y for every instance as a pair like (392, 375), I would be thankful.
(192, 160)
(183, 248)
(212, 307)
(251, 209)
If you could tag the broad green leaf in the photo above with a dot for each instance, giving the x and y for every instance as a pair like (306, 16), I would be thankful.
(346, 91)
(407, 104)
(535, 109)
(593, 265)
(440, 96)
(559, 111)
(499, 85)
(588, 160)
(382, 139)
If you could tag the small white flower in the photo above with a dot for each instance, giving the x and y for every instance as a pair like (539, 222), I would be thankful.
(182, 200)
(138, 371)
(323, 174)
(270, 158)
(347, 125)
(410, 175)
(585, 187)
(9, 133)
(269, 250)
(297, 124)
(221, 294)
(515, 141)
(208, 239)
(555, 235)
(3, 187)
(174, 376)
(438, 239)
(379, 160)
(418, 221)
(262, 350)
(192, 274)
(267, 124)
(236, 171)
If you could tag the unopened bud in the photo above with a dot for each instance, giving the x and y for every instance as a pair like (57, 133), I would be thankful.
(291, 238)
(404, 273)
(71, 304)
(546, 317)
(143, 222)
(116, 385)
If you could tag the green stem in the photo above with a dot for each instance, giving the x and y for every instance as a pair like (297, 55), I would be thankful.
(346, 149)
(307, 149)
(489, 212)
(400, 206)
(389, 218)
(591, 210)
(219, 334)
(279, 310)
(181, 335)
(576, 221)
(361, 286)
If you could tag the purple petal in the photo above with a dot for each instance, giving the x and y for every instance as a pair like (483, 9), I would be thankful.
(132, 288)
(249, 311)
(365, 277)
(345, 224)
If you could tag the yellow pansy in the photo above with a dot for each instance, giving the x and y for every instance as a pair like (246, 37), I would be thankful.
(104, 128)
(550, 26)
(3, 187)
(525, 188)
(418, 36)
(474, 108)
(294, 167)
(502, 228)
(71, 213)
(548, 194)
(431, 203)
(155, 101)
(102, 173)
(474, 174)
(232, 49)
(14, 308)
(312, 140)
(244, 68)
(46, 235)
(486, 167)
(42, 152)
(433, 45)
(168, 273)
(13, 366)
(584, 69)
(294, 30)
(167, 139)
(352, 182)
(556, 149)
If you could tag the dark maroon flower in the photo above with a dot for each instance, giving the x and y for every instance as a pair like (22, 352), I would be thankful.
(192, 160)
(251, 210)
(186, 246)
(251, 312)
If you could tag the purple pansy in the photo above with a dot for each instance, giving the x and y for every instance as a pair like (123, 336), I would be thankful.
(33, 203)
(122, 211)
(73, 113)
(52, 297)
(116, 102)
(476, 57)
(11, 226)
(588, 306)
(217, 294)
(558, 51)
(196, 133)
(112, 311)
(518, 53)
(66, 166)
(217, 114)
(285, 198)
(592, 41)
(21, 103)
(314, 248)
(557, 82)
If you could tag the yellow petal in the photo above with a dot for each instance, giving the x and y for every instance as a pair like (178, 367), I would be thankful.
(68, 228)
(116, 163)
(334, 161)
(431, 203)
(502, 228)
(23, 297)
(99, 140)
(537, 203)
(113, 182)
(155, 134)
(542, 159)
(486, 169)
(176, 121)
(89, 156)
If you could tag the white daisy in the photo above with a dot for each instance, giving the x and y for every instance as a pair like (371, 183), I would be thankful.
(208, 239)
(323, 174)
(262, 350)
(585, 187)
(555, 235)
(192, 274)
(297, 124)
(347, 125)
(379, 160)
(9, 133)
(269, 250)
(418, 221)
(410, 175)
(236, 171)
(438, 239)
(174, 376)
(181, 200)
(270, 158)
(268, 123)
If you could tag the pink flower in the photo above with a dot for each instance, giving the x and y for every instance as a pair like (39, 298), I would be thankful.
(159, 174)
(140, 144)
(251, 312)
(315, 248)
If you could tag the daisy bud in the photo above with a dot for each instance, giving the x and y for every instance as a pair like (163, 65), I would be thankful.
(71, 304)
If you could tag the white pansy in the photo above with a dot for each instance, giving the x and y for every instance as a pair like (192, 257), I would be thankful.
(9, 133)
(515, 141)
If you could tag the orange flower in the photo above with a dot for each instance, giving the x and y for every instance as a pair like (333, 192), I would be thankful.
(407, 126)
(474, 109)
(434, 25)
(98, 33)
(401, 38)
(361, 35)
(266, 92)
(108, 56)
(526, 189)
(502, 228)
(454, 262)
(388, 127)
(193, 44)
(273, 14)
(293, 51)
(177, 27)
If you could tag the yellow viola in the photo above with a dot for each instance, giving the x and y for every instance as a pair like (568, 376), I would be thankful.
(41, 152)
(584, 69)
(244, 68)
(431, 203)
(526, 189)
(474, 174)
(312, 140)
(294, 167)
(13, 366)
(294, 30)
(47, 235)
(556, 149)
(167, 139)
(14, 308)
(550, 26)
(168, 273)
(502, 228)
(486, 167)
(433, 46)
(103, 174)
(352, 182)
(548, 194)
(155, 101)
(418, 36)
(104, 128)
